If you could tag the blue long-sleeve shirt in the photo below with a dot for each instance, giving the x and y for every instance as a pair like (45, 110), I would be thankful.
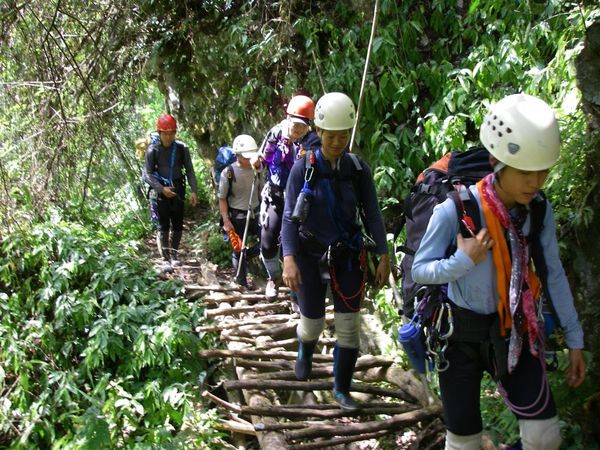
(324, 216)
(474, 286)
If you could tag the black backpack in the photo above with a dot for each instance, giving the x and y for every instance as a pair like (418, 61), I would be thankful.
(432, 187)
(442, 180)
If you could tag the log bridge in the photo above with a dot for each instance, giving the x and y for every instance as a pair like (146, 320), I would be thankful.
(266, 401)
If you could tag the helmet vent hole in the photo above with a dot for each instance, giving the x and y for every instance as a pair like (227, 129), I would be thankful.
(494, 128)
(492, 145)
(501, 123)
(508, 130)
(499, 134)
(495, 117)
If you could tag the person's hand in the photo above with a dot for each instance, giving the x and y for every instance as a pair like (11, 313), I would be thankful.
(383, 271)
(193, 199)
(227, 225)
(291, 274)
(169, 192)
(576, 371)
(475, 247)
(256, 162)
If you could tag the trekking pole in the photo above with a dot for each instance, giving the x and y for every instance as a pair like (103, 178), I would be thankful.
(243, 251)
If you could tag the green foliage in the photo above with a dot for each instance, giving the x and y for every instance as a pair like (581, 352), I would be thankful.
(95, 351)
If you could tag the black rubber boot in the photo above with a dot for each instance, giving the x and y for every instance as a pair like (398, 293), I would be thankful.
(242, 278)
(344, 360)
(163, 245)
(175, 241)
(304, 360)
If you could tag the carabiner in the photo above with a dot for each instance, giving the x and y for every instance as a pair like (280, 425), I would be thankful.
(446, 335)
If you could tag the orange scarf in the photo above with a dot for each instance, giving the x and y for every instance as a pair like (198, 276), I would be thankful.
(503, 264)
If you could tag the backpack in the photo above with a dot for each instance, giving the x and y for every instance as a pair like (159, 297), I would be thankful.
(225, 157)
(432, 187)
(449, 177)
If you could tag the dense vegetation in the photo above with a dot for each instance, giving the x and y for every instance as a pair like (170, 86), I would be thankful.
(92, 348)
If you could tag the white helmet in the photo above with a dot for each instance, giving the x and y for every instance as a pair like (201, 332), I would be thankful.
(245, 145)
(521, 131)
(335, 111)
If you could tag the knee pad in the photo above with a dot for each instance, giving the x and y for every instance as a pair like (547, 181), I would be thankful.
(540, 434)
(347, 329)
(457, 442)
(309, 330)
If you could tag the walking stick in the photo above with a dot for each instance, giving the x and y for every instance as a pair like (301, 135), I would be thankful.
(243, 251)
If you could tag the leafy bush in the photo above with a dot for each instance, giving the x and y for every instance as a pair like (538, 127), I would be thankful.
(94, 351)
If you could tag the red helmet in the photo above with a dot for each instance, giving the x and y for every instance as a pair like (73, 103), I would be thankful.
(301, 106)
(166, 122)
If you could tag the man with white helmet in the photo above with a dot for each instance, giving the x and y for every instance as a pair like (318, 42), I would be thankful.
(280, 148)
(235, 187)
(491, 280)
(322, 241)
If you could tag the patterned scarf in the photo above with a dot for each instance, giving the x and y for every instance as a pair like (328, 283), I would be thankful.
(518, 285)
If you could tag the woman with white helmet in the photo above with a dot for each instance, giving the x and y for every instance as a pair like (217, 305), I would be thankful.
(322, 242)
(279, 150)
(491, 280)
(235, 188)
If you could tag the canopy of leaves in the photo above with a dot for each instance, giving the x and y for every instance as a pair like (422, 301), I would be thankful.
(78, 87)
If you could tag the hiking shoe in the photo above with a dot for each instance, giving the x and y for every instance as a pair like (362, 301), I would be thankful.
(295, 307)
(271, 290)
(167, 267)
(346, 402)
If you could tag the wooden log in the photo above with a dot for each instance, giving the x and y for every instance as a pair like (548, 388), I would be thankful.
(293, 342)
(300, 413)
(259, 354)
(362, 362)
(223, 403)
(241, 323)
(365, 363)
(265, 365)
(404, 380)
(280, 426)
(235, 427)
(228, 298)
(315, 386)
(395, 423)
(211, 313)
(233, 338)
(329, 443)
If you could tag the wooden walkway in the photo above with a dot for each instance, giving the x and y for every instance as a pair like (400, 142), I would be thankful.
(266, 401)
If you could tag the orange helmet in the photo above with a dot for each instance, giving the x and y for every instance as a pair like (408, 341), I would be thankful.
(301, 106)
(166, 122)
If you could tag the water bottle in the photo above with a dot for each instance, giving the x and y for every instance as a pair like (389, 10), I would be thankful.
(302, 205)
(409, 336)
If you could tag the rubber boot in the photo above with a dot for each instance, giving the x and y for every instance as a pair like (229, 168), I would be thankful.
(241, 279)
(344, 360)
(304, 361)
(175, 241)
(163, 247)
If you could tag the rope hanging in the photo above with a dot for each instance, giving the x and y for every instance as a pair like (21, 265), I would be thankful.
(364, 77)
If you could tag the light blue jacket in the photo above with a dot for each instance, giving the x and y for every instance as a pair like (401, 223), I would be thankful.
(474, 286)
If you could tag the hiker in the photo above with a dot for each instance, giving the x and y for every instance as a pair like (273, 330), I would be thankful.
(322, 241)
(238, 181)
(492, 287)
(164, 172)
(280, 148)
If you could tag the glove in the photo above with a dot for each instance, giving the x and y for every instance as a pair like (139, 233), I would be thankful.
(234, 240)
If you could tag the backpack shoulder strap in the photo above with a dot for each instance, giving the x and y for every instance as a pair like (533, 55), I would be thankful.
(537, 210)
(467, 211)
(231, 178)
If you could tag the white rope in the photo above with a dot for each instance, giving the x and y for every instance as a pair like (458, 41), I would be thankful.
(364, 77)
